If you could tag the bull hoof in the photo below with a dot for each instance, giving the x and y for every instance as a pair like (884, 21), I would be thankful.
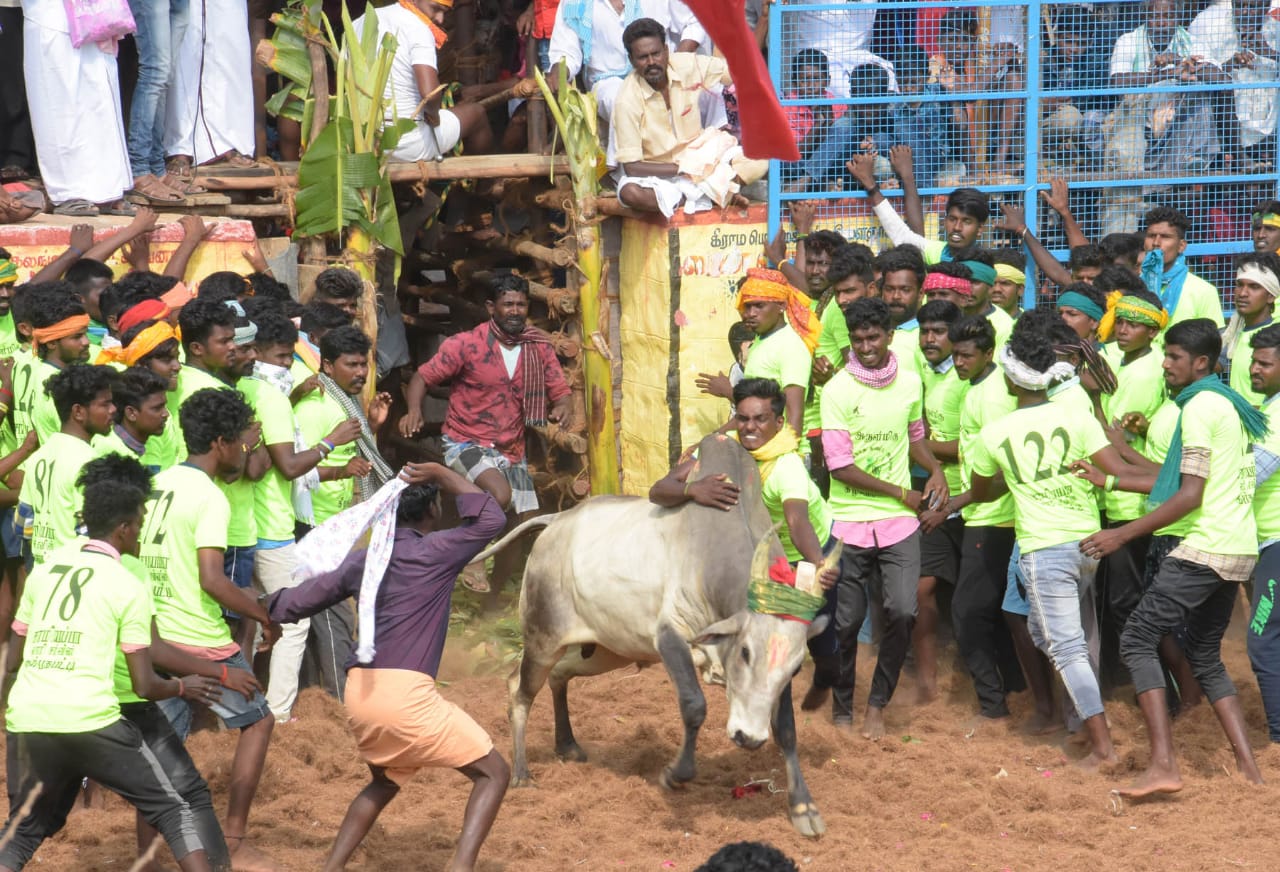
(572, 753)
(807, 821)
(525, 780)
(672, 780)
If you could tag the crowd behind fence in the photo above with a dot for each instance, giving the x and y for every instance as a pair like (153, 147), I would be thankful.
(1131, 104)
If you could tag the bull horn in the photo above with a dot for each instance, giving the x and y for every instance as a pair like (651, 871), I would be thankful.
(832, 560)
(760, 559)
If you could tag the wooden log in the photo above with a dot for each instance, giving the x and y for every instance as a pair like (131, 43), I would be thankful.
(529, 248)
(558, 300)
(255, 210)
(484, 166)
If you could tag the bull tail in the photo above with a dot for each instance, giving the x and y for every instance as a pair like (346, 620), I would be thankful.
(531, 524)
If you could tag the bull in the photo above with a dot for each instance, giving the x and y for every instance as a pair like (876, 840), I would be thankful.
(617, 580)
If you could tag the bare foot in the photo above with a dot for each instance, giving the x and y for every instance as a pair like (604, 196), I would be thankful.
(1042, 725)
(246, 858)
(1093, 762)
(1151, 782)
(1248, 767)
(926, 693)
(873, 724)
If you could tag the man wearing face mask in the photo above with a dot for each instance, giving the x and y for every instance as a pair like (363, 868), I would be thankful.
(503, 374)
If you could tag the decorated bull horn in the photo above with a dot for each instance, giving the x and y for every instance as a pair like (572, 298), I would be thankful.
(760, 559)
(832, 560)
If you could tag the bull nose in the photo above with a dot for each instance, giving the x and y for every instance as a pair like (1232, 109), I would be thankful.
(742, 741)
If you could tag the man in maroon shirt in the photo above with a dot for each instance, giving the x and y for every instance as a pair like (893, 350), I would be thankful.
(400, 721)
(503, 373)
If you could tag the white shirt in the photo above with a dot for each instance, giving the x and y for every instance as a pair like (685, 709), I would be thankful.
(415, 46)
(1134, 46)
(1214, 38)
(608, 57)
(510, 357)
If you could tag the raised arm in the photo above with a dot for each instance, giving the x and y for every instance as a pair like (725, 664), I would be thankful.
(901, 159)
(1013, 221)
(193, 233)
(862, 168)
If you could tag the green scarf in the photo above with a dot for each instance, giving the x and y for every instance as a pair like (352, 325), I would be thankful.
(1170, 477)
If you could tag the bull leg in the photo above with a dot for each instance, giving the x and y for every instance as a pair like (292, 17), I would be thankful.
(522, 687)
(581, 661)
(678, 659)
(800, 805)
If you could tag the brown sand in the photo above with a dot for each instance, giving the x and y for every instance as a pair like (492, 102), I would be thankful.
(927, 797)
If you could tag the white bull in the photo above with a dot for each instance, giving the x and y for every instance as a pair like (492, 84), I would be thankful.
(618, 580)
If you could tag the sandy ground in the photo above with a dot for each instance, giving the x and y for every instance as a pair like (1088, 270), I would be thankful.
(932, 795)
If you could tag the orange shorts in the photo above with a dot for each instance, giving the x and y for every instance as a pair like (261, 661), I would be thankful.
(403, 724)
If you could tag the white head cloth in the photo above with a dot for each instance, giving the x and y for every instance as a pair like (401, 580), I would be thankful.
(1256, 273)
(1029, 379)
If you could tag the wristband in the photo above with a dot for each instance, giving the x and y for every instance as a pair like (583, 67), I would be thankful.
(329, 446)
(223, 680)
(181, 687)
(687, 485)
(800, 236)
(903, 495)
(1023, 234)
(323, 448)
(1111, 482)
(79, 253)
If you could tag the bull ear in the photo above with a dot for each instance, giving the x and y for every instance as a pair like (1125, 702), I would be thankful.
(717, 632)
(819, 624)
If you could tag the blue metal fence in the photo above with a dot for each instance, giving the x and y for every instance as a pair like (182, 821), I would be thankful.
(1006, 95)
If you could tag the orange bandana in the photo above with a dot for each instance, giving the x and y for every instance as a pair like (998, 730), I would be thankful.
(64, 328)
(440, 35)
(143, 344)
(772, 286)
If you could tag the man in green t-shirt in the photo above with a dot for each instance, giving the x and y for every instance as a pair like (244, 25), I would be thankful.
(872, 430)
(791, 498)
(902, 274)
(986, 543)
(1196, 584)
(275, 557)
(183, 542)
(60, 338)
(82, 397)
(141, 414)
(1183, 294)
(1257, 286)
(1263, 635)
(1029, 452)
(940, 532)
(153, 346)
(80, 615)
(786, 331)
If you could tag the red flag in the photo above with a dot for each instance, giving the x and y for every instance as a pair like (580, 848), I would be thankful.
(765, 131)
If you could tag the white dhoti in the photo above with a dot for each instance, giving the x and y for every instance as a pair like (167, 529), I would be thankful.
(73, 95)
(209, 111)
(427, 143)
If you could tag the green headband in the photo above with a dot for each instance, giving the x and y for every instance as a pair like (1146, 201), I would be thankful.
(1138, 311)
(1080, 302)
(8, 272)
(981, 273)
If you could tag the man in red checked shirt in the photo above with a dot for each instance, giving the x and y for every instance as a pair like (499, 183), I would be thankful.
(504, 375)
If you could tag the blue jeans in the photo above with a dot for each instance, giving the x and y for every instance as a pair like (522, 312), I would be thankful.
(1063, 621)
(234, 710)
(161, 24)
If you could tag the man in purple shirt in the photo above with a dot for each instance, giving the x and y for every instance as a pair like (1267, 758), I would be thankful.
(400, 721)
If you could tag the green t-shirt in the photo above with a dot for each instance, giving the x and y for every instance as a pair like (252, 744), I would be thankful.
(1241, 358)
(167, 449)
(273, 494)
(9, 344)
(878, 421)
(1156, 448)
(111, 443)
(905, 345)
(50, 490)
(185, 512)
(1225, 522)
(789, 480)
(171, 449)
(34, 408)
(317, 414)
(79, 609)
(1266, 502)
(1034, 447)
(1139, 388)
(985, 402)
(833, 341)
(781, 356)
(943, 399)
(1199, 300)
(1002, 324)
(121, 679)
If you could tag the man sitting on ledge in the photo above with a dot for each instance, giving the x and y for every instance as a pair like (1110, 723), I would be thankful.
(668, 121)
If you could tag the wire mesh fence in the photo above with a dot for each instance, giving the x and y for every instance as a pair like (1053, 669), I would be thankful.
(1075, 120)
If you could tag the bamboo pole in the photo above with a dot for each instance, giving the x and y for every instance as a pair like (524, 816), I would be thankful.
(486, 166)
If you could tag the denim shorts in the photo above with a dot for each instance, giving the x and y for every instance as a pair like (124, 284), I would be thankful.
(234, 710)
(1015, 598)
(10, 535)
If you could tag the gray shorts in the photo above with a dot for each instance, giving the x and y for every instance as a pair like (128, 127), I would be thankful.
(470, 460)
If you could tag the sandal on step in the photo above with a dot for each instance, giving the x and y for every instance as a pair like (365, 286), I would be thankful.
(179, 167)
(153, 191)
(76, 208)
(232, 159)
(186, 187)
(121, 208)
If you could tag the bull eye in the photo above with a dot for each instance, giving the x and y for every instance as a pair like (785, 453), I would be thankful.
(746, 655)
